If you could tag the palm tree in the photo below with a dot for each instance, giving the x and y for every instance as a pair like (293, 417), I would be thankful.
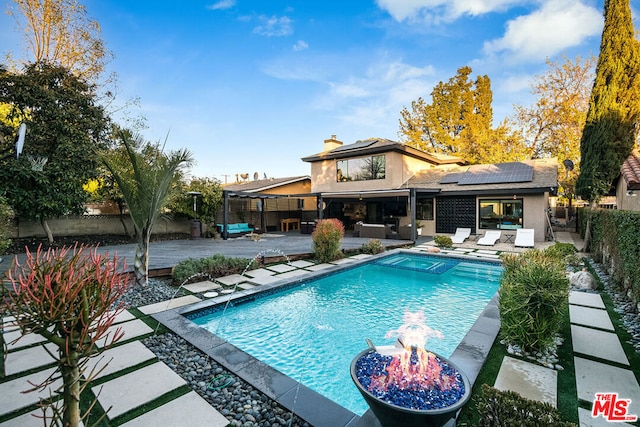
(146, 181)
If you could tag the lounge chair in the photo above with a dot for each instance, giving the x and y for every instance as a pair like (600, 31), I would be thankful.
(490, 238)
(524, 238)
(461, 235)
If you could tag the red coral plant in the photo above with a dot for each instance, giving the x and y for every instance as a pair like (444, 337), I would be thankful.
(69, 296)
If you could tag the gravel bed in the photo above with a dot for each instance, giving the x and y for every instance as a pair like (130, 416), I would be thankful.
(238, 401)
(621, 304)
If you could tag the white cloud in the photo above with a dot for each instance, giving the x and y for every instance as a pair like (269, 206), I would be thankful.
(436, 10)
(222, 5)
(274, 26)
(557, 25)
(300, 45)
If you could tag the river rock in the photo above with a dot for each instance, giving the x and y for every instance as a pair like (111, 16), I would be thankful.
(582, 280)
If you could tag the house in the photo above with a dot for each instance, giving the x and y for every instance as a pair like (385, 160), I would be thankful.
(264, 203)
(628, 185)
(379, 181)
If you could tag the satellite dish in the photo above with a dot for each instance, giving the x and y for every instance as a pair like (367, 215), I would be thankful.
(568, 164)
(22, 131)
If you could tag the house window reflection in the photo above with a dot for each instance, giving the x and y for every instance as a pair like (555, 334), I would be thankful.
(501, 214)
(361, 169)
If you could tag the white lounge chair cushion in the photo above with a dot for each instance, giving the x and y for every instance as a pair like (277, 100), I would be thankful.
(490, 237)
(461, 235)
(524, 238)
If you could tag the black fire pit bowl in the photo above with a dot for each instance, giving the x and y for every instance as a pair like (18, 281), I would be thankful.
(391, 415)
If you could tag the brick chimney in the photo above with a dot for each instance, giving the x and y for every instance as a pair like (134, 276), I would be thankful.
(331, 143)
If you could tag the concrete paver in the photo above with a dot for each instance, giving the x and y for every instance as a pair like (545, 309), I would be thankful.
(167, 305)
(529, 380)
(264, 280)
(319, 267)
(586, 299)
(281, 268)
(124, 316)
(595, 377)
(30, 419)
(302, 263)
(12, 397)
(600, 344)
(260, 272)
(29, 358)
(118, 358)
(187, 410)
(292, 274)
(136, 388)
(232, 279)
(586, 420)
(24, 341)
(133, 329)
(587, 316)
(200, 287)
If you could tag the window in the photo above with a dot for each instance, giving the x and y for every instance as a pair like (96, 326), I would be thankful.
(501, 214)
(361, 169)
(424, 209)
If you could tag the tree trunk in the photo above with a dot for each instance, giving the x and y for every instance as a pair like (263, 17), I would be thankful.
(587, 231)
(71, 380)
(141, 260)
(45, 226)
(122, 221)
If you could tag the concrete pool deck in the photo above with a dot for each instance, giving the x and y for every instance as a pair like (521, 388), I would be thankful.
(15, 407)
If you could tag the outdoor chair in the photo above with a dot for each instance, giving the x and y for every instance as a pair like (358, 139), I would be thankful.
(490, 238)
(461, 235)
(524, 238)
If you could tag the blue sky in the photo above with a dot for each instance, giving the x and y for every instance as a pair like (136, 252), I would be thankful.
(253, 85)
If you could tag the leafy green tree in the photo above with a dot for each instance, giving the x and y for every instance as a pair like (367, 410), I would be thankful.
(65, 125)
(459, 122)
(147, 183)
(207, 204)
(611, 129)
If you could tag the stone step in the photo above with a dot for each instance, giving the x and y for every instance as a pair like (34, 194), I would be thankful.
(587, 316)
(529, 380)
(600, 344)
(136, 388)
(187, 410)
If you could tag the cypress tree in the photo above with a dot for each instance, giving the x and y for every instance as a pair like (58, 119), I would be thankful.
(610, 130)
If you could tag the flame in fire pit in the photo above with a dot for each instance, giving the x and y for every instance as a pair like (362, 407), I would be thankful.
(414, 367)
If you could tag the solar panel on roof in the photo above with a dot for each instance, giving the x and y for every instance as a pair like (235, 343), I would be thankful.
(355, 145)
(451, 178)
(497, 174)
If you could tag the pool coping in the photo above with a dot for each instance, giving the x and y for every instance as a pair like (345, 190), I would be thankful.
(310, 405)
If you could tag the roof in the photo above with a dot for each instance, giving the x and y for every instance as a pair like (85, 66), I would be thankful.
(381, 145)
(259, 185)
(630, 171)
(530, 176)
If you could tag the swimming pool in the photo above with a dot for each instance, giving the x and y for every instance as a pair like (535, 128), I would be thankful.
(312, 331)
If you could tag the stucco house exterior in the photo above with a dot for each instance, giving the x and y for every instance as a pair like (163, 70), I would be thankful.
(379, 181)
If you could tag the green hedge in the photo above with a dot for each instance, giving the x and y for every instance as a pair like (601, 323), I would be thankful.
(193, 269)
(615, 242)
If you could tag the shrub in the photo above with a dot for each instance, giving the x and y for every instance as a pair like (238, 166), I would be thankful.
(507, 408)
(373, 246)
(443, 241)
(326, 240)
(533, 297)
(6, 215)
(217, 265)
(69, 296)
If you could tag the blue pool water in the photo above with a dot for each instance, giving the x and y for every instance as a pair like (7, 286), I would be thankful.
(311, 332)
